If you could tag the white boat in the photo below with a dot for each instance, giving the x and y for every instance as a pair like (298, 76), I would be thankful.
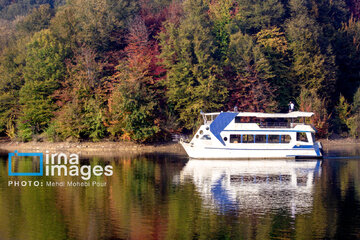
(245, 135)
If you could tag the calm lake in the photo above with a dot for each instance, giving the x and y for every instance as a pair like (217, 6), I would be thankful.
(159, 196)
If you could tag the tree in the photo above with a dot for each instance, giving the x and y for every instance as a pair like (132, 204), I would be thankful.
(220, 13)
(275, 47)
(81, 99)
(314, 68)
(100, 24)
(11, 9)
(45, 58)
(356, 101)
(193, 80)
(252, 16)
(43, 71)
(309, 101)
(343, 113)
(249, 88)
(348, 58)
(354, 120)
(9, 110)
(12, 62)
(7, 33)
(135, 101)
(37, 19)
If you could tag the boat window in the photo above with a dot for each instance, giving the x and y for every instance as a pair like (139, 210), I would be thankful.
(248, 138)
(301, 136)
(260, 138)
(237, 119)
(201, 132)
(225, 139)
(197, 136)
(285, 138)
(235, 138)
(206, 137)
(274, 139)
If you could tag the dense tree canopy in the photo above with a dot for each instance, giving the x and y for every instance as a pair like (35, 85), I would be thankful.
(140, 70)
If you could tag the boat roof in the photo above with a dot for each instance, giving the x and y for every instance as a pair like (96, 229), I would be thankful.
(295, 114)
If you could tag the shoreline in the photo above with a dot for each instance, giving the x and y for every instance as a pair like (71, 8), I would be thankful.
(341, 142)
(93, 148)
(126, 148)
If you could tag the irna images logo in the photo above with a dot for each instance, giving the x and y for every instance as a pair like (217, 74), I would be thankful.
(55, 164)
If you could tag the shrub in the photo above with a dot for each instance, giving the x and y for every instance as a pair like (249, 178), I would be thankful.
(343, 113)
(310, 102)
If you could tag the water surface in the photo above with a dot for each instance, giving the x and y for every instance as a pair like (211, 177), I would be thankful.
(161, 196)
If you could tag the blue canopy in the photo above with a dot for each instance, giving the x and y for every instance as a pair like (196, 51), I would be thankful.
(220, 123)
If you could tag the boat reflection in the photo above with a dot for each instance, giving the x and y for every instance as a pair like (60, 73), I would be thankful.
(254, 186)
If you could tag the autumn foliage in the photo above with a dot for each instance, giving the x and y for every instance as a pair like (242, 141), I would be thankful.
(141, 70)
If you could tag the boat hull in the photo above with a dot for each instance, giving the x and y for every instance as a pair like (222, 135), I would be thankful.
(210, 152)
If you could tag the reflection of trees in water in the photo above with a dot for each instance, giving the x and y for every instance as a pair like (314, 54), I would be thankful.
(124, 208)
(339, 197)
(131, 204)
(148, 198)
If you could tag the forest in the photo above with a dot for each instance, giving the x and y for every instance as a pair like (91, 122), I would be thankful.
(141, 70)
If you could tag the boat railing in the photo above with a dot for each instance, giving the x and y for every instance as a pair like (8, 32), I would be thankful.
(274, 125)
(278, 124)
(268, 124)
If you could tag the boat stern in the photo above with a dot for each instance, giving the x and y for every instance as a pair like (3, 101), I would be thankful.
(318, 149)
